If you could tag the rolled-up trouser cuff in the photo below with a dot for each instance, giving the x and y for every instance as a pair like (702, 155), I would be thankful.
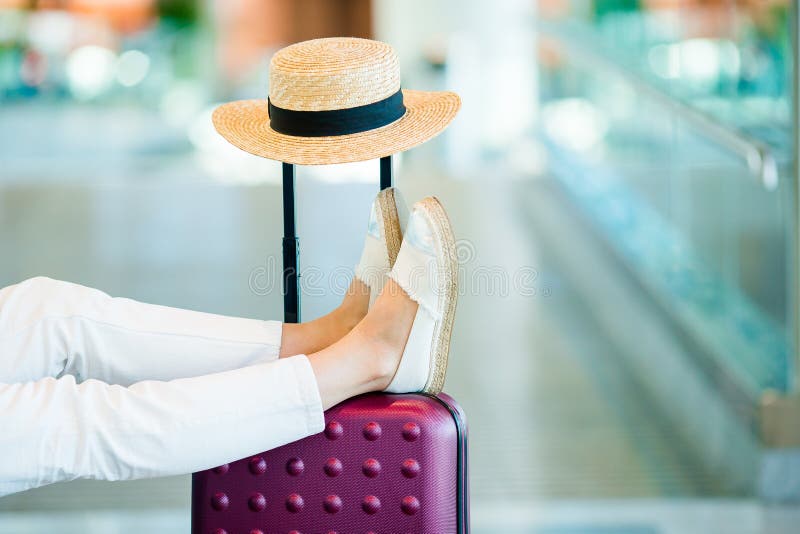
(309, 392)
(273, 336)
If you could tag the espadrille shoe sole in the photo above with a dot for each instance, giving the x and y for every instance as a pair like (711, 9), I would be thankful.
(390, 223)
(448, 295)
(428, 248)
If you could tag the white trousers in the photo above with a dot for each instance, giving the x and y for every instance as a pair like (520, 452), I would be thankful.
(107, 388)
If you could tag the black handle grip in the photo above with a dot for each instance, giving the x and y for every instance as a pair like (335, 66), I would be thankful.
(291, 279)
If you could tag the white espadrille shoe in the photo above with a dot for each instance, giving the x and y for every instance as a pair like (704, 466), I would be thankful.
(387, 219)
(427, 270)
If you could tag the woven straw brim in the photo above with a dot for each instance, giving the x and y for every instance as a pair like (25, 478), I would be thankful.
(245, 124)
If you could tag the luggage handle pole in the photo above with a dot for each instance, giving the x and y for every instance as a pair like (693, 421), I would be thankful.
(386, 172)
(291, 249)
(291, 243)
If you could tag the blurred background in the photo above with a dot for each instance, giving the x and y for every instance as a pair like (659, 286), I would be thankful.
(622, 178)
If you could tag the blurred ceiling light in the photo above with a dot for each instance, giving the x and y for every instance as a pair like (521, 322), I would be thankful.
(90, 71)
(699, 60)
(51, 31)
(132, 68)
(574, 123)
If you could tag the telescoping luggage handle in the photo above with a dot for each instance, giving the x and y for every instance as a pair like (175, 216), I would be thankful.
(291, 243)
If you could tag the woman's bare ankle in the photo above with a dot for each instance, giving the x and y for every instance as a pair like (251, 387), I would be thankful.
(355, 304)
(387, 326)
(378, 358)
(348, 316)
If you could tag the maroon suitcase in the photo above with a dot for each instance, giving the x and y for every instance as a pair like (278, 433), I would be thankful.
(384, 464)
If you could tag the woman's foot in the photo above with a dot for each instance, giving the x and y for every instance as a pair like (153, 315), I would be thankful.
(384, 332)
(387, 219)
(388, 215)
(403, 342)
(367, 358)
(427, 270)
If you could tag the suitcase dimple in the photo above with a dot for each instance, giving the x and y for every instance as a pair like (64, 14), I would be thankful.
(295, 467)
(257, 465)
(333, 467)
(372, 431)
(257, 502)
(410, 468)
(384, 463)
(410, 505)
(411, 431)
(371, 468)
(334, 430)
(220, 501)
(295, 503)
(332, 504)
(371, 504)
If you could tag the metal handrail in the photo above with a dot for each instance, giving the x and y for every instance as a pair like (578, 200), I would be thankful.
(759, 157)
(795, 215)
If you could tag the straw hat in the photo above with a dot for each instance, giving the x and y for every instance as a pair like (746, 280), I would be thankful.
(335, 100)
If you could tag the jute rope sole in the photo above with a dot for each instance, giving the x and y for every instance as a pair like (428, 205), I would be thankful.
(391, 223)
(448, 292)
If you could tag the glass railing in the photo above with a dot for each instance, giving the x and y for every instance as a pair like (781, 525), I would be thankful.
(670, 127)
(730, 60)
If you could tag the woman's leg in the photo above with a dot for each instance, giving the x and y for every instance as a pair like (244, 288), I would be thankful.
(372, 350)
(58, 429)
(305, 338)
(51, 328)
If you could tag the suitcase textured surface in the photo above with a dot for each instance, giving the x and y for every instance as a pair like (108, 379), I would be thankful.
(384, 464)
